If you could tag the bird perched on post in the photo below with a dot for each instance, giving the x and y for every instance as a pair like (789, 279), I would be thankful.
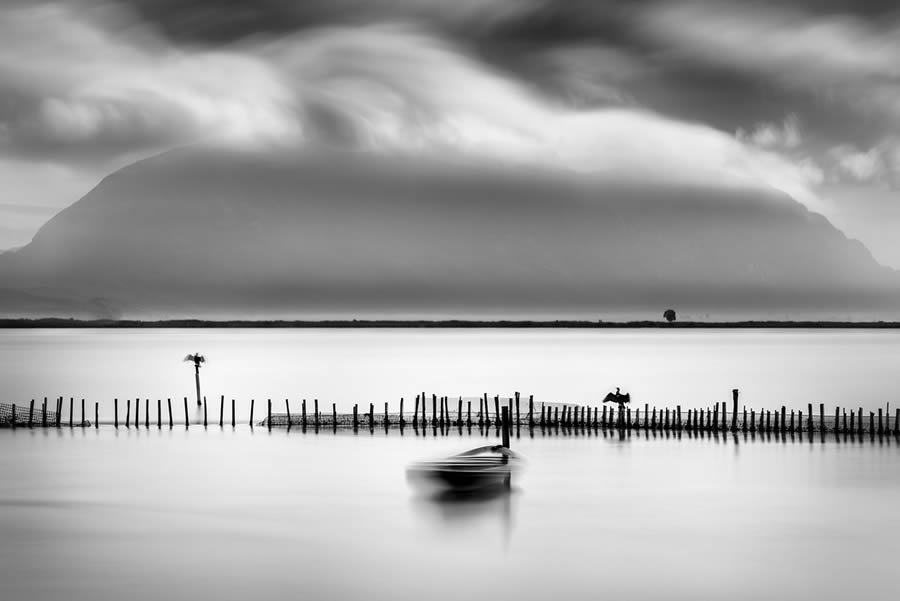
(197, 359)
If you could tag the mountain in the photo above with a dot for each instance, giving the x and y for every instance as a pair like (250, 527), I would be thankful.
(212, 233)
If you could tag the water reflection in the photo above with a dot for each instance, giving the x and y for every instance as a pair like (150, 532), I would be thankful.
(456, 510)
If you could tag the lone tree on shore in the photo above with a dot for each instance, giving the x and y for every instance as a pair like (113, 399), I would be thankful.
(197, 359)
(669, 315)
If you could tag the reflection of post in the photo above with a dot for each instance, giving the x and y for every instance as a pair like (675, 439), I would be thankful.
(505, 422)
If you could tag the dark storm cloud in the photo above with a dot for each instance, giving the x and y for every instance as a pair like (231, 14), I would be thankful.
(584, 52)
(707, 89)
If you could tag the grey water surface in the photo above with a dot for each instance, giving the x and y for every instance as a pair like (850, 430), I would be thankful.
(244, 513)
(237, 514)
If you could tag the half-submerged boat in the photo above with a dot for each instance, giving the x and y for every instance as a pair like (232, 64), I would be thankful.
(479, 469)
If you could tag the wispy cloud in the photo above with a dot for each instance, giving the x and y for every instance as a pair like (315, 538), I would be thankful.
(94, 91)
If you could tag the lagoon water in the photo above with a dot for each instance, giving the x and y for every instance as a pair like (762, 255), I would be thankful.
(694, 368)
(106, 514)
(99, 515)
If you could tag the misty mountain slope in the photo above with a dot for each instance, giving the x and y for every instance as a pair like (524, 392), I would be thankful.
(202, 232)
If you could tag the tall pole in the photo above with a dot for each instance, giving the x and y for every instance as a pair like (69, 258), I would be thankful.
(197, 379)
(505, 423)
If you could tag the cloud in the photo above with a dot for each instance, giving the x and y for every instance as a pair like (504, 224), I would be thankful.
(862, 166)
(836, 55)
(85, 90)
(106, 88)
(774, 135)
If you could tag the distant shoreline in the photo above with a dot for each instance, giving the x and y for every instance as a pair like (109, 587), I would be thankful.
(61, 323)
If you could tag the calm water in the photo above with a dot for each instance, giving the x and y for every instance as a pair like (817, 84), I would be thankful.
(241, 513)
(98, 515)
(692, 368)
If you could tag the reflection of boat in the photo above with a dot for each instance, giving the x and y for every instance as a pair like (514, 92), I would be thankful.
(476, 470)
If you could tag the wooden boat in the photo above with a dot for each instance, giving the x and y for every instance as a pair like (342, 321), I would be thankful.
(478, 469)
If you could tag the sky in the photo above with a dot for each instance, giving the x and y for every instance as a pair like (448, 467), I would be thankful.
(803, 98)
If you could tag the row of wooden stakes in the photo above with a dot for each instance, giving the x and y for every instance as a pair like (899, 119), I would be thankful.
(716, 418)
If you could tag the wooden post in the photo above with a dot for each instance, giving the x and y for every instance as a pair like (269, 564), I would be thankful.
(302, 413)
(159, 413)
(252, 403)
(287, 407)
(441, 422)
(222, 411)
(859, 413)
(897, 423)
(403, 421)
(127, 413)
(497, 408)
(416, 414)
(667, 418)
(169, 403)
(187, 422)
(204, 411)
(543, 410)
(147, 414)
(753, 421)
(82, 412)
(678, 417)
(783, 421)
(744, 420)
(822, 417)
(800, 422)
(715, 424)
(268, 415)
(734, 403)
(31, 414)
(316, 413)
(71, 409)
(96, 415)
(768, 421)
(844, 424)
(852, 422)
(837, 420)
(469, 414)
(880, 423)
(424, 421)
(459, 413)
(556, 416)
(506, 427)
(792, 421)
(777, 429)
(871, 423)
(371, 415)
(386, 413)
(233, 422)
(14, 416)
(531, 411)
(434, 416)
(355, 416)
(334, 415)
